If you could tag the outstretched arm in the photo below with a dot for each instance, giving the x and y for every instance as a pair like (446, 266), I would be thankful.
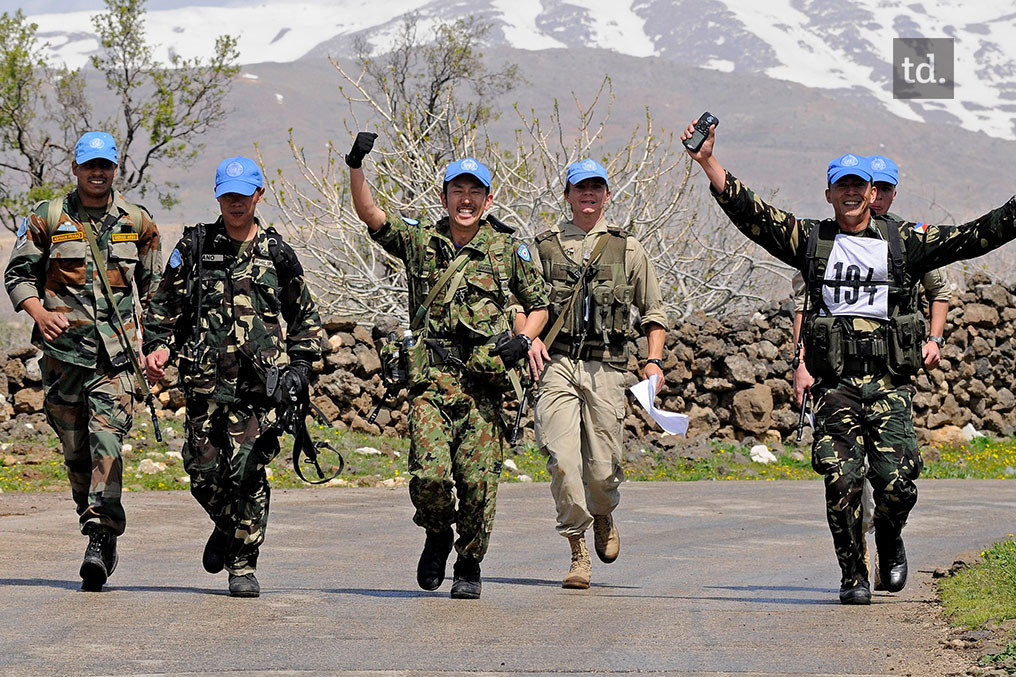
(363, 200)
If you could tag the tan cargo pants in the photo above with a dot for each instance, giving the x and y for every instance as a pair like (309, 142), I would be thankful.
(580, 426)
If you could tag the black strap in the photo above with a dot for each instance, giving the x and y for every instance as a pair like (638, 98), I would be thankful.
(303, 445)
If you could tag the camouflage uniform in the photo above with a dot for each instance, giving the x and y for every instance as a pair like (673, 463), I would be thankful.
(454, 421)
(86, 369)
(232, 431)
(865, 414)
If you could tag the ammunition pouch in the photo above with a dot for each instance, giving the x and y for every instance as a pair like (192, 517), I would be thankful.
(823, 346)
(906, 337)
(393, 363)
(474, 361)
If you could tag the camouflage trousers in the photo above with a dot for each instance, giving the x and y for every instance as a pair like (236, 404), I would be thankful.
(225, 454)
(91, 410)
(857, 418)
(456, 443)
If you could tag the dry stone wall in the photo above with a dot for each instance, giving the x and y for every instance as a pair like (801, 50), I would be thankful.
(732, 377)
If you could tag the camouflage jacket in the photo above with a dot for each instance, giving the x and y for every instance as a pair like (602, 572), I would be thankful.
(499, 265)
(236, 336)
(58, 268)
(925, 247)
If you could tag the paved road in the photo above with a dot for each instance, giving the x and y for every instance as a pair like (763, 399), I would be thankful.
(714, 578)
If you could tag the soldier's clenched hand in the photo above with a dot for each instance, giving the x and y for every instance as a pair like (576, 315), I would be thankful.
(512, 350)
(362, 144)
(51, 324)
(154, 363)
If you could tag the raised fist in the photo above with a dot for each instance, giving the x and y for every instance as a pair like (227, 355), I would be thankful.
(362, 145)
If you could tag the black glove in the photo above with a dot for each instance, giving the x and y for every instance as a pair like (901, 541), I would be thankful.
(512, 349)
(361, 146)
(293, 383)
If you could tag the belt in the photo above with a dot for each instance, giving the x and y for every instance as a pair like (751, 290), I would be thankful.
(596, 353)
(858, 366)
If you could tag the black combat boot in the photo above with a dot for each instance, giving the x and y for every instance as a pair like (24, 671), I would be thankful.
(214, 557)
(892, 556)
(430, 571)
(854, 592)
(100, 558)
(244, 586)
(466, 584)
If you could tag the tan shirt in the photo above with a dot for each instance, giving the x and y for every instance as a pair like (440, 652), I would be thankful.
(577, 244)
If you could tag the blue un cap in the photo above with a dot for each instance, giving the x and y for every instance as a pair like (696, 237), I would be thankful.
(586, 169)
(884, 169)
(95, 145)
(848, 165)
(237, 175)
(468, 166)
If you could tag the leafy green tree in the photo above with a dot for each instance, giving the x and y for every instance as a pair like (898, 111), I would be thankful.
(161, 110)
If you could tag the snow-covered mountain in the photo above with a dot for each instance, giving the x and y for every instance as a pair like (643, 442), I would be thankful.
(844, 46)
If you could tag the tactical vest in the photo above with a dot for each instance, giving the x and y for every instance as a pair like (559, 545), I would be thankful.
(598, 326)
(832, 348)
(210, 248)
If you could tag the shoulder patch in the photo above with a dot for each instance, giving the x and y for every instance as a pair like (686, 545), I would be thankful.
(409, 221)
(175, 259)
(23, 228)
(920, 227)
(523, 252)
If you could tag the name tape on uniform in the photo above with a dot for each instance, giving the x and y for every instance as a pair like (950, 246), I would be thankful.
(125, 237)
(64, 237)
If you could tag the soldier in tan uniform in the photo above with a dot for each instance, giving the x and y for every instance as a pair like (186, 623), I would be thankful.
(579, 414)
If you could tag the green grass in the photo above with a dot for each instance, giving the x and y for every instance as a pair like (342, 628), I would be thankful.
(983, 458)
(984, 596)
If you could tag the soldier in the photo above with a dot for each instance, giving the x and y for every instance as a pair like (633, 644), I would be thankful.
(87, 349)
(885, 177)
(863, 341)
(579, 417)
(467, 267)
(226, 287)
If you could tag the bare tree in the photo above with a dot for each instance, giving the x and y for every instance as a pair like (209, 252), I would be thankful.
(161, 113)
(423, 122)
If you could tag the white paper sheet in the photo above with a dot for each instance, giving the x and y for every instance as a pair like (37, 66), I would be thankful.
(672, 422)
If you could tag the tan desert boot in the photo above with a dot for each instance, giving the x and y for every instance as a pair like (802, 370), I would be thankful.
(605, 538)
(581, 566)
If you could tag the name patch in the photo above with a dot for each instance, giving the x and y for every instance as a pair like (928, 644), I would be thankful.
(125, 237)
(64, 237)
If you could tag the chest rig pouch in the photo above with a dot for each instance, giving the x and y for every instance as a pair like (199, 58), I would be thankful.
(830, 347)
(467, 301)
(597, 324)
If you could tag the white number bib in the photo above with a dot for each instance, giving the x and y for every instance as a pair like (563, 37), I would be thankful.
(857, 277)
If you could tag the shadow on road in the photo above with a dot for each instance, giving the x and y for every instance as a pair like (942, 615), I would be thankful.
(552, 584)
(76, 585)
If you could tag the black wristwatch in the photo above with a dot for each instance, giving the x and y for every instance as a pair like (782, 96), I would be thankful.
(940, 340)
(529, 341)
(657, 361)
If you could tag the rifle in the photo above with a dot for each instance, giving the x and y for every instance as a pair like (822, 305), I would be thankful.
(514, 435)
(804, 413)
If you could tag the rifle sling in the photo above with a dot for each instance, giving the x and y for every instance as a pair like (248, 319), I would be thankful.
(421, 312)
(100, 264)
(601, 244)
